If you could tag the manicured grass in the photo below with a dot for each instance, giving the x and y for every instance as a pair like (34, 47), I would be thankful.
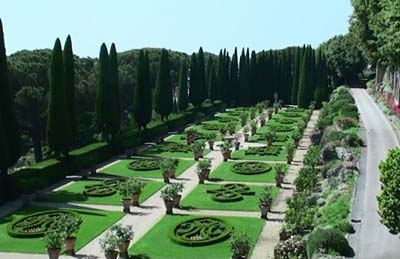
(73, 193)
(177, 138)
(335, 212)
(224, 172)
(94, 222)
(121, 169)
(153, 152)
(200, 199)
(240, 155)
(156, 243)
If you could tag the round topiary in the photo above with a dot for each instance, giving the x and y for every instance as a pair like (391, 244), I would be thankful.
(230, 192)
(145, 164)
(99, 190)
(201, 231)
(249, 168)
(36, 224)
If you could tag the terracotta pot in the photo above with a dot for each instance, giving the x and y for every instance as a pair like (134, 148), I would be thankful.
(198, 154)
(169, 205)
(166, 177)
(111, 254)
(278, 180)
(70, 245)
(172, 173)
(177, 201)
(237, 145)
(289, 158)
(201, 177)
(231, 131)
(206, 173)
(211, 145)
(54, 253)
(264, 210)
(262, 122)
(126, 203)
(190, 139)
(123, 249)
(226, 155)
(135, 199)
(246, 137)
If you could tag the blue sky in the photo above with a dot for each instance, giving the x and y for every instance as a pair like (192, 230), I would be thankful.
(173, 24)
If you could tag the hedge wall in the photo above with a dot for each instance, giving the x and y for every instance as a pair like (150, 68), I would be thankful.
(87, 156)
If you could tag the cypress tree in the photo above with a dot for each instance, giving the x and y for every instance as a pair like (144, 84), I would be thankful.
(208, 69)
(202, 74)
(10, 139)
(252, 78)
(115, 106)
(220, 76)
(59, 133)
(142, 105)
(69, 79)
(234, 79)
(226, 91)
(296, 73)
(195, 88)
(212, 77)
(183, 89)
(163, 101)
(302, 100)
(244, 92)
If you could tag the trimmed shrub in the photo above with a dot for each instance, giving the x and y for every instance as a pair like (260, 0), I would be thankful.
(331, 240)
(88, 156)
(294, 247)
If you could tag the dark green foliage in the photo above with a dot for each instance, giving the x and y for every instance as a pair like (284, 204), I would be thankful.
(244, 90)
(59, 135)
(306, 80)
(142, 105)
(264, 151)
(249, 168)
(212, 83)
(300, 215)
(234, 78)
(10, 141)
(103, 95)
(307, 180)
(296, 73)
(329, 240)
(183, 89)
(145, 164)
(115, 106)
(88, 156)
(231, 192)
(195, 84)
(202, 75)
(220, 76)
(162, 101)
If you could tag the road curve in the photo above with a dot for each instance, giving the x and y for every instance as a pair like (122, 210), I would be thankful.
(372, 239)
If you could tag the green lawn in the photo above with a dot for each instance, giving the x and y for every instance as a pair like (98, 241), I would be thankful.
(240, 155)
(200, 199)
(156, 243)
(121, 169)
(94, 222)
(224, 172)
(73, 193)
(177, 138)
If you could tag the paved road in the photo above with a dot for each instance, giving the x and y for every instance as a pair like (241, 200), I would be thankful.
(372, 239)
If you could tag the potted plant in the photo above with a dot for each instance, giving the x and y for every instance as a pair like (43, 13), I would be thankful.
(211, 139)
(190, 135)
(172, 170)
(231, 128)
(198, 149)
(237, 141)
(265, 201)
(53, 239)
(246, 134)
(168, 194)
(253, 126)
(109, 245)
(70, 226)
(260, 107)
(269, 113)
(223, 131)
(203, 170)
(270, 137)
(263, 118)
(280, 170)
(240, 246)
(178, 188)
(243, 118)
(226, 151)
(277, 106)
(296, 136)
(124, 235)
(252, 113)
(125, 190)
(137, 188)
(290, 152)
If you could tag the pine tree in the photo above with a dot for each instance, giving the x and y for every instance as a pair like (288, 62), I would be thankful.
(244, 92)
(142, 105)
(202, 75)
(212, 77)
(195, 88)
(59, 135)
(115, 106)
(234, 79)
(69, 79)
(162, 99)
(183, 89)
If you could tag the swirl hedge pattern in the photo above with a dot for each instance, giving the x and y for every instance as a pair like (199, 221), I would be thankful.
(230, 192)
(106, 188)
(170, 147)
(145, 164)
(201, 231)
(249, 168)
(36, 224)
(264, 151)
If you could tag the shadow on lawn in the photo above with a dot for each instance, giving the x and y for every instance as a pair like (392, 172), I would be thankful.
(139, 256)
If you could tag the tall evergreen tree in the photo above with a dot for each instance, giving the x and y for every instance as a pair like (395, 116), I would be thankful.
(183, 89)
(296, 73)
(253, 78)
(302, 98)
(115, 106)
(163, 100)
(59, 135)
(226, 92)
(10, 139)
(142, 105)
(195, 95)
(208, 69)
(212, 77)
(244, 91)
(220, 76)
(202, 74)
(69, 79)
(234, 78)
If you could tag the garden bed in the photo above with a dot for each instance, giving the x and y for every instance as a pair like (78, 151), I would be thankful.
(170, 149)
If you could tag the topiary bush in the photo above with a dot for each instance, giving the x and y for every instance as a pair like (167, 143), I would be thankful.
(280, 128)
(145, 164)
(249, 168)
(293, 247)
(201, 231)
(264, 151)
(332, 240)
(106, 188)
(230, 192)
(170, 147)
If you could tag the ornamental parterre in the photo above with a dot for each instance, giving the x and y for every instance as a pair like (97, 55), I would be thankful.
(201, 231)
(281, 128)
(249, 168)
(36, 224)
(144, 164)
(171, 147)
(230, 192)
(106, 188)
(264, 151)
